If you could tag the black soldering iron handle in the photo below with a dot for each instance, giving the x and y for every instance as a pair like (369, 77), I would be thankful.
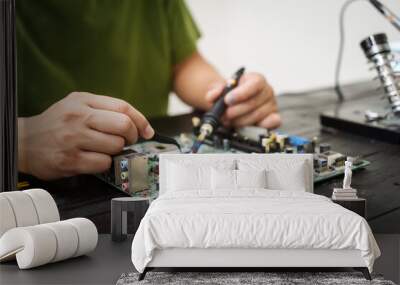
(213, 116)
(219, 106)
(387, 13)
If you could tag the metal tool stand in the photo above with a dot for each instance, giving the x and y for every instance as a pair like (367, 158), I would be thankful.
(119, 209)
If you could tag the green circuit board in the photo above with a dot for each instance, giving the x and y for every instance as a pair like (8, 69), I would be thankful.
(136, 171)
(319, 176)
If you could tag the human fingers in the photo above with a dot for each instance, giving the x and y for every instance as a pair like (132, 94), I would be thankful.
(256, 116)
(92, 162)
(95, 141)
(117, 105)
(272, 121)
(245, 107)
(114, 123)
(249, 85)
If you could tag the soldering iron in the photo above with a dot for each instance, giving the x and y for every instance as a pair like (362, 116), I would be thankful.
(211, 119)
(387, 13)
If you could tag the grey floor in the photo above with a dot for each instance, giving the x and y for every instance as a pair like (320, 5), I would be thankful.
(389, 262)
(103, 266)
(110, 260)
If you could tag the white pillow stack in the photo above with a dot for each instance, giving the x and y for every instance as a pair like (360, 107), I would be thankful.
(206, 173)
(31, 230)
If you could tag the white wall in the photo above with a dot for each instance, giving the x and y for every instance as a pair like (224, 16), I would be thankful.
(293, 43)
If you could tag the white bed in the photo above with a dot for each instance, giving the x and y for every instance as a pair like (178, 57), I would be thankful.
(198, 223)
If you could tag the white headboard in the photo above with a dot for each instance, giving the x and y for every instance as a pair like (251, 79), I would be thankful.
(209, 159)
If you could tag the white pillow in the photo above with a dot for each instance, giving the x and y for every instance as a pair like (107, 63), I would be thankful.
(251, 178)
(293, 181)
(283, 174)
(182, 177)
(193, 175)
(223, 179)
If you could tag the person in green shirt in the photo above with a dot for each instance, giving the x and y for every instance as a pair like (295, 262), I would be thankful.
(91, 71)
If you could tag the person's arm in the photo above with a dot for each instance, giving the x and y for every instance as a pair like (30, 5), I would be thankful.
(253, 102)
(193, 78)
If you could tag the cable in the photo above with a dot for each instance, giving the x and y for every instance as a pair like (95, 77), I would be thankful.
(343, 10)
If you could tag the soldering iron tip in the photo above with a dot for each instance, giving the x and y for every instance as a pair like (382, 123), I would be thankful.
(196, 146)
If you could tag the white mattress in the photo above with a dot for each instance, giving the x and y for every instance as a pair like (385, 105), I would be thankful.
(253, 218)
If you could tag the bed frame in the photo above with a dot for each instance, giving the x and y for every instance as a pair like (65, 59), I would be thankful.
(244, 259)
(240, 259)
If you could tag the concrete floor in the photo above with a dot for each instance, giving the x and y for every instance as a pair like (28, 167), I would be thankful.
(110, 260)
(389, 262)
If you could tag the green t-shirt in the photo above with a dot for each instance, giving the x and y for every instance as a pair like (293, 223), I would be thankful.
(120, 48)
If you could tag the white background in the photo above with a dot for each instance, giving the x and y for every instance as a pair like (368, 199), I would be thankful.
(293, 43)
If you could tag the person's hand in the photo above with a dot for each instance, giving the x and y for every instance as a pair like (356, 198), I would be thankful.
(252, 102)
(78, 135)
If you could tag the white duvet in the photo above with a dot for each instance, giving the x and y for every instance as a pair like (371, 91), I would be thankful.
(250, 219)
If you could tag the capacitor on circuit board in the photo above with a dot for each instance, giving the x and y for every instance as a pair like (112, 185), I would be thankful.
(314, 143)
(265, 142)
(260, 139)
(282, 141)
(226, 144)
(217, 141)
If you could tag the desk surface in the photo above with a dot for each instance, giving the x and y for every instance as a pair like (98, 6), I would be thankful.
(379, 183)
(103, 266)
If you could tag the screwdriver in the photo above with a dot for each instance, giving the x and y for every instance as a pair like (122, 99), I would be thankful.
(211, 119)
